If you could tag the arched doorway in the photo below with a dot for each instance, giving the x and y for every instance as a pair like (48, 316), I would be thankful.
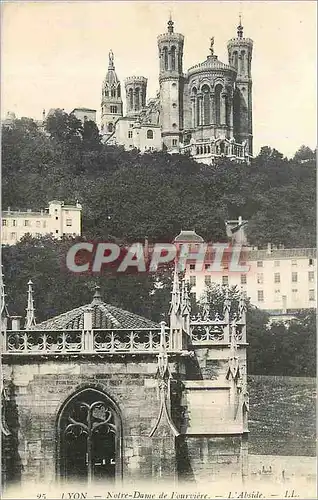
(89, 439)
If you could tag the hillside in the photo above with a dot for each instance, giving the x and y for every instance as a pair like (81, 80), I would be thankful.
(282, 418)
(127, 195)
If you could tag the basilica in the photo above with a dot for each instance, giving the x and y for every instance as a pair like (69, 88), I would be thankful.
(205, 112)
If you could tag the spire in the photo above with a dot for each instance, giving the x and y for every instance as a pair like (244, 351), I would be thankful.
(170, 24)
(240, 27)
(3, 305)
(30, 315)
(111, 60)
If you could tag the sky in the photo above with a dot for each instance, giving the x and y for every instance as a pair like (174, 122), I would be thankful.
(55, 55)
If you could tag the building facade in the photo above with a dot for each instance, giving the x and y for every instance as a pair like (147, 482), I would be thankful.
(106, 397)
(85, 114)
(280, 281)
(205, 112)
(58, 220)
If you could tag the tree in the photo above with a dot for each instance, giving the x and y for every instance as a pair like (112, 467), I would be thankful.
(63, 127)
(304, 154)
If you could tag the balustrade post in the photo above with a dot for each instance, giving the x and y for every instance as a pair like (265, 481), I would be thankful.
(88, 330)
(16, 323)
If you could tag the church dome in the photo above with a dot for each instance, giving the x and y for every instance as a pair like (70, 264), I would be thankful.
(212, 64)
(104, 316)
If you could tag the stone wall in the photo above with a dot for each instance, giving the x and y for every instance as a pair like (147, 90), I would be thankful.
(42, 388)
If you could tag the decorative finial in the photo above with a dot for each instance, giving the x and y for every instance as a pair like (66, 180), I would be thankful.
(30, 315)
(175, 294)
(3, 305)
(170, 24)
(97, 295)
(111, 60)
(212, 46)
(240, 27)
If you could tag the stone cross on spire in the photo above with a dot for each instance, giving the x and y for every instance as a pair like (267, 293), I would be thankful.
(30, 315)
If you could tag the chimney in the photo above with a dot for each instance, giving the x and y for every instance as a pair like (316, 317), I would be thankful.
(269, 248)
(16, 322)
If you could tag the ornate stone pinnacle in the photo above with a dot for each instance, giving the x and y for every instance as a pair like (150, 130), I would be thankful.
(30, 311)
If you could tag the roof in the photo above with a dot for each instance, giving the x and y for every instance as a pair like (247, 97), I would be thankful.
(84, 109)
(189, 236)
(104, 316)
(281, 253)
(211, 63)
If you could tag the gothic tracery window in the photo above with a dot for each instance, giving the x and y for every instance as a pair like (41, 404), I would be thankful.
(89, 430)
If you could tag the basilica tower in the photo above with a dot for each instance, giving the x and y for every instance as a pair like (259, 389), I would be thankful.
(112, 104)
(136, 93)
(240, 57)
(170, 47)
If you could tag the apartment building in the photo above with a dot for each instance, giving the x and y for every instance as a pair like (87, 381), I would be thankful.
(279, 280)
(57, 219)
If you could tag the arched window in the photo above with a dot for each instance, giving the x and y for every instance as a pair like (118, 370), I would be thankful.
(206, 104)
(235, 59)
(110, 127)
(113, 92)
(165, 58)
(118, 91)
(149, 134)
(89, 438)
(137, 99)
(242, 61)
(218, 90)
(106, 91)
(131, 99)
(173, 58)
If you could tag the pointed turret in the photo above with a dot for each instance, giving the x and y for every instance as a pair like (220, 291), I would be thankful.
(3, 305)
(112, 104)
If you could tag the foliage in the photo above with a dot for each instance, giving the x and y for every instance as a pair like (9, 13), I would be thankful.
(274, 348)
(128, 195)
(57, 290)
